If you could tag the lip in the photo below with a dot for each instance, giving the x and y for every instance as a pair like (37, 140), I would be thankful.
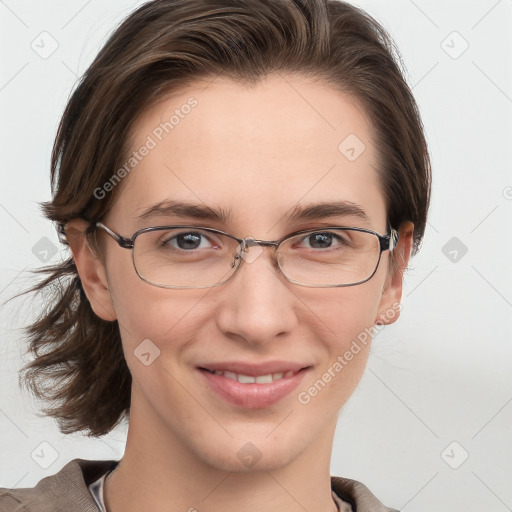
(254, 395)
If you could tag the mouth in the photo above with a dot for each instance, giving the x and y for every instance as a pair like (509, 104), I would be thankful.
(253, 388)
(254, 379)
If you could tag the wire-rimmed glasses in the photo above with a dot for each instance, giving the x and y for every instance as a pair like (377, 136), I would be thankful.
(185, 257)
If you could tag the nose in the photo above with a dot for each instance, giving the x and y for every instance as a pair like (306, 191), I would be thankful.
(257, 303)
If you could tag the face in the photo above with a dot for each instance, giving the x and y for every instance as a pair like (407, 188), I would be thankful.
(256, 154)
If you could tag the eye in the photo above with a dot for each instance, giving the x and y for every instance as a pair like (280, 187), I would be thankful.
(324, 240)
(187, 241)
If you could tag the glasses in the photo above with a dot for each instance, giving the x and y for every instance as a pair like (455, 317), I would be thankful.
(185, 257)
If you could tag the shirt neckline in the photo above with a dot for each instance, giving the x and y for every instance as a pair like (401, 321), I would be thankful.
(96, 488)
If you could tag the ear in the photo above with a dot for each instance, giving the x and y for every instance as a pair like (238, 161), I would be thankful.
(91, 270)
(389, 307)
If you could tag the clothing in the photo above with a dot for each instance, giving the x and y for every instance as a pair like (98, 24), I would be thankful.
(68, 491)
(96, 489)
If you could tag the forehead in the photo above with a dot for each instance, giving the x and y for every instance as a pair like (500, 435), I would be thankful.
(254, 151)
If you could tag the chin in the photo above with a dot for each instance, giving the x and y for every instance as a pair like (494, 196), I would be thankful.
(253, 454)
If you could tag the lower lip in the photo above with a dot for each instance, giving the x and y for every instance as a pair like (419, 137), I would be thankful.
(252, 396)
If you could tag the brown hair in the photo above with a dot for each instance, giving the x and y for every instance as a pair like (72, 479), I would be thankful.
(79, 367)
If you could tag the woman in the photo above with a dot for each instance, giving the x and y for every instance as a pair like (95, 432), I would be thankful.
(241, 186)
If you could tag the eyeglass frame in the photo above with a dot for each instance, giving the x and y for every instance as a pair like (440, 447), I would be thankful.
(386, 243)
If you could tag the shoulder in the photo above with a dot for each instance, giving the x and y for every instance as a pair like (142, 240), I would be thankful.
(68, 491)
(357, 495)
(64, 491)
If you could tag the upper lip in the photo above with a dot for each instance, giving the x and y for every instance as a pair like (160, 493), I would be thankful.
(254, 369)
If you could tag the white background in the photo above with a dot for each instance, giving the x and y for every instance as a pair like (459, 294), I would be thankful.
(442, 374)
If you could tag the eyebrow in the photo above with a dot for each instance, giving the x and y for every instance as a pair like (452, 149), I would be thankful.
(328, 209)
(310, 212)
(182, 209)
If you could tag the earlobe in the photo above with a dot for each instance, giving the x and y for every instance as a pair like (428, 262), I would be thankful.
(91, 270)
(389, 307)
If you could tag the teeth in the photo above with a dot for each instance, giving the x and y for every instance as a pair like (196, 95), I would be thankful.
(260, 379)
(264, 379)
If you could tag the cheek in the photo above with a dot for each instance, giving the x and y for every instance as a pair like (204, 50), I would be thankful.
(343, 313)
(160, 315)
(146, 312)
(345, 319)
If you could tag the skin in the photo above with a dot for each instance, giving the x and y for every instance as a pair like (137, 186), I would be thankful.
(257, 152)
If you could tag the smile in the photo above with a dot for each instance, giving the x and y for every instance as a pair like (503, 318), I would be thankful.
(249, 379)
(262, 389)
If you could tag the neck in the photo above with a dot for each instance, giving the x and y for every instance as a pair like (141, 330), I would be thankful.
(159, 472)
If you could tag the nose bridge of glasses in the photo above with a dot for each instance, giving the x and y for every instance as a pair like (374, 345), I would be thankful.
(258, 245)
(246, 243)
